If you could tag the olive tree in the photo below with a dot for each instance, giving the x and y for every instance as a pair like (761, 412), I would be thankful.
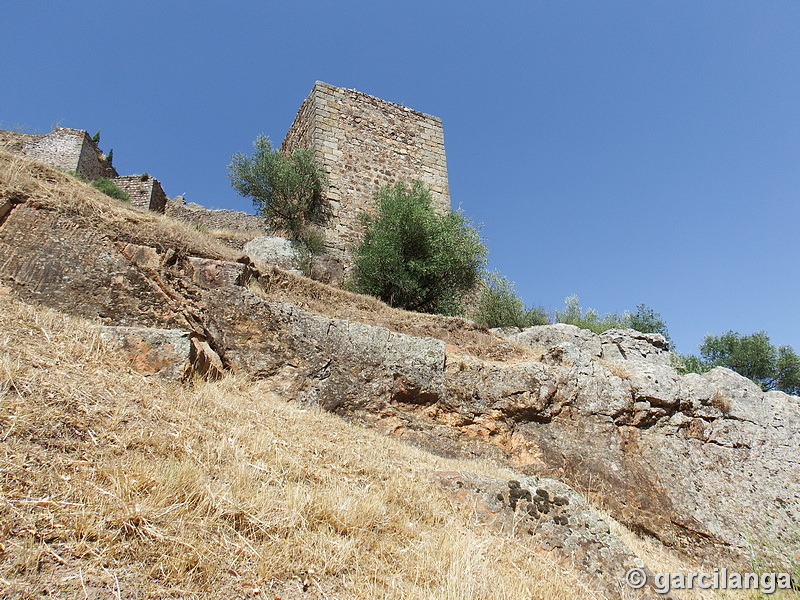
(287, 189)
(413, 258)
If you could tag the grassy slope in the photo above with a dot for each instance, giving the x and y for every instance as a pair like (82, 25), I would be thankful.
(113, 485)
(111, 481)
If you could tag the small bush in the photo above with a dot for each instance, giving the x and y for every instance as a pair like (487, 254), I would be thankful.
(645, 319)
(413, 258)
(78, 176)
(500, 306)
(288, 189)
(109, 188)
(310, 244)
(689, 363)
(573, 314)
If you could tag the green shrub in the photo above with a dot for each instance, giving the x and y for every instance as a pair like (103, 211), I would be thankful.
(645, 319)
(573, 314)
(77, 176)
(500, 306)
(755, 357)
(287, 190)
(689, 363)
(412, 258)
(310, 244)
(109, 188)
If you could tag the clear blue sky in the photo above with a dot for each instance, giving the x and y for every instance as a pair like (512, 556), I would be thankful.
(627, 152)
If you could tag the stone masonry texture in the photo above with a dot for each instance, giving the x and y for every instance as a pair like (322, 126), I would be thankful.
(198, 215)
(144, 191)
(364, 143)
(70, 149)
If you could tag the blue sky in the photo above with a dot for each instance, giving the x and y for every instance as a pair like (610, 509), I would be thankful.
(627, 152)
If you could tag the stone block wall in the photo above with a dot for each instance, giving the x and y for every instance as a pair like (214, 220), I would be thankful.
(144, 191)
(196, 214)
(70, 149)
(364, 142)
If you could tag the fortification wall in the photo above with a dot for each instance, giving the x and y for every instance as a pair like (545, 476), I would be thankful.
(363, 143)
(213, 219)
(144, 191)
(65, 148)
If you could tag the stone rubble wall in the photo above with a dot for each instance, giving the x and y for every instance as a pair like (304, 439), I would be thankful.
(193, 213)
(70, 149)
(144, 191)
(363, 143)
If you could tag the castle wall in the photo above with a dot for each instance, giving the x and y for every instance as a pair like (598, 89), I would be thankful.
(70, 149)
(196, 214)
(364, 143)
(144, 191)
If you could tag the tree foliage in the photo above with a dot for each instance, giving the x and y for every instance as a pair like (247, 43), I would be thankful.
(412, 258)
(755, 357)
(645, 319)
(499, 305)
(287, 189)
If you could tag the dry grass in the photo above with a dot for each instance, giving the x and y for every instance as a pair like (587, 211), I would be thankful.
(118, 486)
(615, 368)
(13, 140)
(464, 336)
(665, 560)
(52, 189)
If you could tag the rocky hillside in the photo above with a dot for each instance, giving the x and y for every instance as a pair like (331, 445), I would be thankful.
(707, 465)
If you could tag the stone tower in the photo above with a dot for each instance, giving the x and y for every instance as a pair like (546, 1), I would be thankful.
(363, 143)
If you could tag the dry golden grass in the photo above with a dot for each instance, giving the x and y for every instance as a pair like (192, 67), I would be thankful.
(13, 140)
(52, 189)
(464, 336)
(114, 485)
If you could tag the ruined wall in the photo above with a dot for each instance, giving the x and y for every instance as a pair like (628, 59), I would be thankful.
(196, 214)
(144, 191)
(70, 149)
(364, 142)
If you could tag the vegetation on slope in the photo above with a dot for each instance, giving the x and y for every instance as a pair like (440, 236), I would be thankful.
(115, 485)
(24, 180)
(122, 485)
(413, 258)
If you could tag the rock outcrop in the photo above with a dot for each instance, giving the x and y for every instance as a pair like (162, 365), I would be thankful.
(706, 463)
(271, 250)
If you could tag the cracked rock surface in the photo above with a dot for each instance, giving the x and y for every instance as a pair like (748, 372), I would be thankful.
(707, 463)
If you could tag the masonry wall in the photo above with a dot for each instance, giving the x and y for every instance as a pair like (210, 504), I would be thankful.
(144, 191)
(364, 142)
(70, 149)
(196, 214)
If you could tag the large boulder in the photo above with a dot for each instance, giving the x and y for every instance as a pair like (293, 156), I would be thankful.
(268, 250)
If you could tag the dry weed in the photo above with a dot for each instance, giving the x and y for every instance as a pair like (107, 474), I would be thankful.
(55, 190)
(118, 484)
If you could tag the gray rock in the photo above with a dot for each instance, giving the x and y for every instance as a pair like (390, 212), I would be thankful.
(165, 353)
(268, 250)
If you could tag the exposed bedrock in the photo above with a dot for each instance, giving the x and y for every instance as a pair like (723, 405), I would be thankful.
(708, 463)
